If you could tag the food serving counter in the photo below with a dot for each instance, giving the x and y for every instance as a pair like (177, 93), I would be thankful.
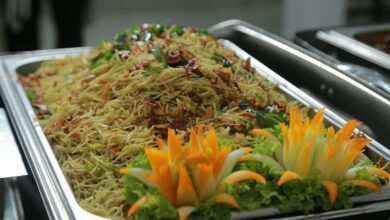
(338, 92)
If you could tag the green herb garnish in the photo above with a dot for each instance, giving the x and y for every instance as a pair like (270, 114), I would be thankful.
(160, 56)
(153, 70)
(177, 30)
(31, 95)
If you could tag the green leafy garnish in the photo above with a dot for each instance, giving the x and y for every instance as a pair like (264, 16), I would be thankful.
(228, 142)
(160, 56)
(140, 161)
(218, 58)
(156, 205)
(157, 29)
(102, 57)
(177, 30)
(120, 37)
(211, 211)
(202, 31)
(264, 146)
(251, 194)
(102, 43)
(31, 95)
(307, 195)
(153, 70)
(134, 32)
(265, 118)
(221, 59)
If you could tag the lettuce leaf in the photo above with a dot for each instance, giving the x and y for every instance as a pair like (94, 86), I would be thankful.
(211, 211)
(362, 174)
(228, 142)
(140, 161)
(156, 207)
(308, 195)
(305, 195)
(264, 146)
(362, 160)
(133, 188)
(251, 194)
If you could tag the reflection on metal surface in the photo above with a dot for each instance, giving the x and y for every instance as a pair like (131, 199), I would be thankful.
(374, 78)
(355, 47)
(13, 207)
(11, 163)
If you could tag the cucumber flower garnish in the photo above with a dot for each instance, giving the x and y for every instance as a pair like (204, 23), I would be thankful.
(309, 148)
(187, 175)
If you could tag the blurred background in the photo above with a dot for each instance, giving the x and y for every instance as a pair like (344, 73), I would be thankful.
(44, 24)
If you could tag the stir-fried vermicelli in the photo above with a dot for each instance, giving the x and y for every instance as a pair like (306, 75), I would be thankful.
(101, 109)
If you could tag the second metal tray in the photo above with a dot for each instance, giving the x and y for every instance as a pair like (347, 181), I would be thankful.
(345, 39)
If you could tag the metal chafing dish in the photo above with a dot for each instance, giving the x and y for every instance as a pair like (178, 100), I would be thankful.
(55, 190)
(347, 39)
(354, 50)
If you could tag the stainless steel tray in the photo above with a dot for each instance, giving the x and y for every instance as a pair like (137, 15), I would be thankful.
(312, 72)
(339, 46)
(56, 192)
(344, 38)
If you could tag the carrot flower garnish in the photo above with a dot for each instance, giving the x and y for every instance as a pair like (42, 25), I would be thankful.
(309, 148)
(187, 175)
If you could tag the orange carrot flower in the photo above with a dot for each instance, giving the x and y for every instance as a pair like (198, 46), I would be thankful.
(192, 174)
(308, 147)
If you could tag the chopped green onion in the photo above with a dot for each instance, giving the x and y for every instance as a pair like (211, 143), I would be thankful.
(264, 118)
(108, 56)
(267, 120)
(133, 30)
(221, 59)
(218, 58)
(102, 43)
(100, 58)
(120, 37)
(97, 58)
(31, 95)
(160, 56)
(202, 31)
(153, 70)
(177, 30)
(157, 29)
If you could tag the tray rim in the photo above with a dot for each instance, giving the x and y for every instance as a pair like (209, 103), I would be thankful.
(355, 47)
